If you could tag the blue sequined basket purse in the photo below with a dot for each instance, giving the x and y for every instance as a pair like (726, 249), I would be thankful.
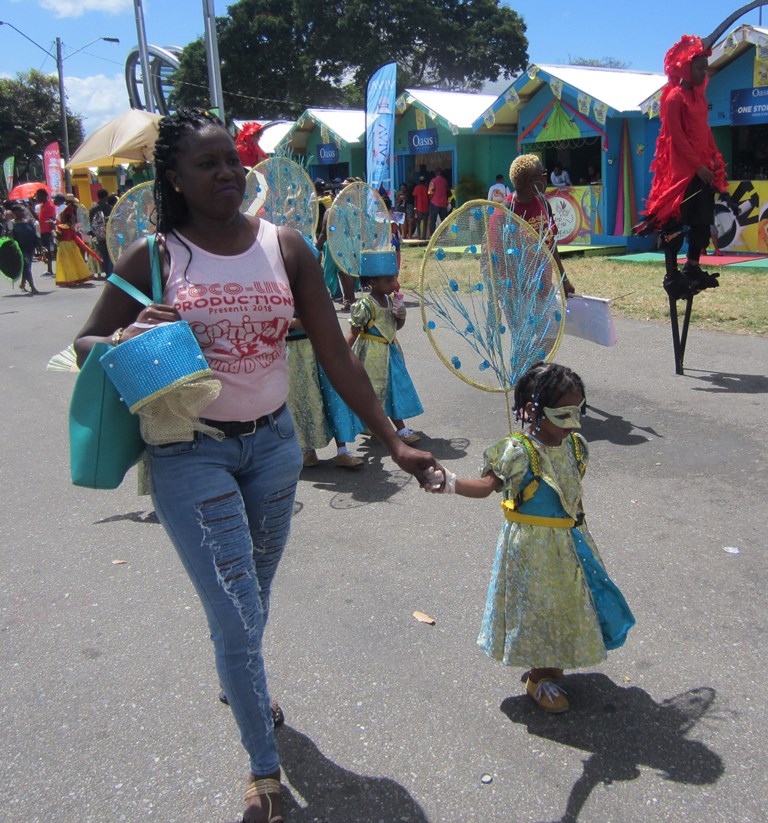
(154, 363)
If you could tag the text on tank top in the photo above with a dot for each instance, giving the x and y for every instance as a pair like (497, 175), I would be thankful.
(239, 308)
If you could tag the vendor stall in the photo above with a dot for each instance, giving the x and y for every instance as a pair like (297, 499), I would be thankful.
(588, 120)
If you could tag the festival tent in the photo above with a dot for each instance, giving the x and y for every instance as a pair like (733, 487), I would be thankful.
(128, 138)
(433, 129)
(584, 115)
(332, 141)
(618, 91)
(453, 110)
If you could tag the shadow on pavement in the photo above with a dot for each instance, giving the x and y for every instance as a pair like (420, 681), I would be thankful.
(624, 729)
(143, 516)
(361, 486)
(373, 482)
(322, 792)
(614, 428)
(730, 383)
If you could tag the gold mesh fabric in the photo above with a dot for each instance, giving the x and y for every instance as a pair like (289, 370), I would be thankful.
(175, 416)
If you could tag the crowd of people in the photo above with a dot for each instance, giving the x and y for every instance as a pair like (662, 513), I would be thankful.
(424, 203)
(49, 228)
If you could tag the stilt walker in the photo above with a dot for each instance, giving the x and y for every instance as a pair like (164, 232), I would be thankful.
(687, 171)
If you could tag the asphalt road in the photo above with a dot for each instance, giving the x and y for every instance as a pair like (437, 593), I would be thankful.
(109, 697)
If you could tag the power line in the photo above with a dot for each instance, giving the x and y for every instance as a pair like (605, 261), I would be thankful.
(299, 106)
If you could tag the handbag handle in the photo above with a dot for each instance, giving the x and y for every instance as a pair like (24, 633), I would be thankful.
(157, 288)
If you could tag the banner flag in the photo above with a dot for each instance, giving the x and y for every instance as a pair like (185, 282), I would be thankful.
(8, 172)
(380, 128)
(601, 111)
(52, 162)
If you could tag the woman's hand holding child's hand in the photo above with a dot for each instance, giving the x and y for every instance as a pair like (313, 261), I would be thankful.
(440, 481)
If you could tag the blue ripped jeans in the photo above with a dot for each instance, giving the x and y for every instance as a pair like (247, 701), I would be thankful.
(227, 506)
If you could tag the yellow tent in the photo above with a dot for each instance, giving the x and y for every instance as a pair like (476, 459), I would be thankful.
(129, 138)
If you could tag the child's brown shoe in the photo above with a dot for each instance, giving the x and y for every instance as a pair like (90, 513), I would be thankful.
(548, 695)
(348, 461)
(310, 458)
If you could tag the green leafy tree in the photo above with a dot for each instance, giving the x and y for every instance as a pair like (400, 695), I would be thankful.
(279, 57)
(447, 44)
(30, 120)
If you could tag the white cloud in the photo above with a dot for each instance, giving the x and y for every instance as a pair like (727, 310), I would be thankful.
(77, 8)
(97, 99)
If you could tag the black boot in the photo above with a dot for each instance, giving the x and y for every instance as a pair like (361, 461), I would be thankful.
(700, 279)
(677, 286)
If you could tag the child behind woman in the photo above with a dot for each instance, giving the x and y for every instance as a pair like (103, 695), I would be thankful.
(375, 320)
(550, 603)
(318, 411)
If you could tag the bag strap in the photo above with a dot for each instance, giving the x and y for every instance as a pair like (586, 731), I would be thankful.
(157, 286)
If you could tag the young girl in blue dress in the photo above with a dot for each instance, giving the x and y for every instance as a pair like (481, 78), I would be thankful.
(375, 320)
(550, 603)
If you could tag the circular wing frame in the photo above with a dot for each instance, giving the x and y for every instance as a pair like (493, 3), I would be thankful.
(358, 221)
(131, 219)
(491, 296)
(280, 191)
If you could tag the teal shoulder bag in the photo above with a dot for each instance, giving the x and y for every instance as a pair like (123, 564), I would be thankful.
(104, 437)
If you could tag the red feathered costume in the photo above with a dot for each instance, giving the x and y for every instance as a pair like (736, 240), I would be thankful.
(247, 145)
(685, 142)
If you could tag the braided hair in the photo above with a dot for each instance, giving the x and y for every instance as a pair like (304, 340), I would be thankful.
(543, 385)
(171, 206)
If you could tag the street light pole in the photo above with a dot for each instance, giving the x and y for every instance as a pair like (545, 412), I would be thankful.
(63, 115)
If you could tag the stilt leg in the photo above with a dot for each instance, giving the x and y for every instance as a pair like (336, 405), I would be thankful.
(675, 334)
(684, 335)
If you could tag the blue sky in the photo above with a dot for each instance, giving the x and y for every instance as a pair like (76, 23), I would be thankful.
(638, 33)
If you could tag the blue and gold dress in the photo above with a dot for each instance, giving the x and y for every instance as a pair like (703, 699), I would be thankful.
(550, 602)
(318, 411)
(382, 358)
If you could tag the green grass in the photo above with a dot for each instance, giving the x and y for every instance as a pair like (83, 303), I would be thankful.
(737, 306)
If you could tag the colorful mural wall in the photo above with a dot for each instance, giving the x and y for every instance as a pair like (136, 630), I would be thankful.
(741, 217)
(577, 213)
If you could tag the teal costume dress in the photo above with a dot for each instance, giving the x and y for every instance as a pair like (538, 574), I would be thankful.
(550, 602)
(382, 358)
(331, 274)
(318, 411)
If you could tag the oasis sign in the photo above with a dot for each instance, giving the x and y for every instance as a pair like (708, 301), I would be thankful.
(749, 106)
(422, 141)
(327, 153)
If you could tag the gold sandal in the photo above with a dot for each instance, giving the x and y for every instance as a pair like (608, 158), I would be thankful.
(265, 787)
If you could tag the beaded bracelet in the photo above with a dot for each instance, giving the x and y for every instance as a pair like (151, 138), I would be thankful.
(117, 336)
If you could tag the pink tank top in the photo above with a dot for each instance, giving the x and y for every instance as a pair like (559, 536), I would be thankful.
(239, 308)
